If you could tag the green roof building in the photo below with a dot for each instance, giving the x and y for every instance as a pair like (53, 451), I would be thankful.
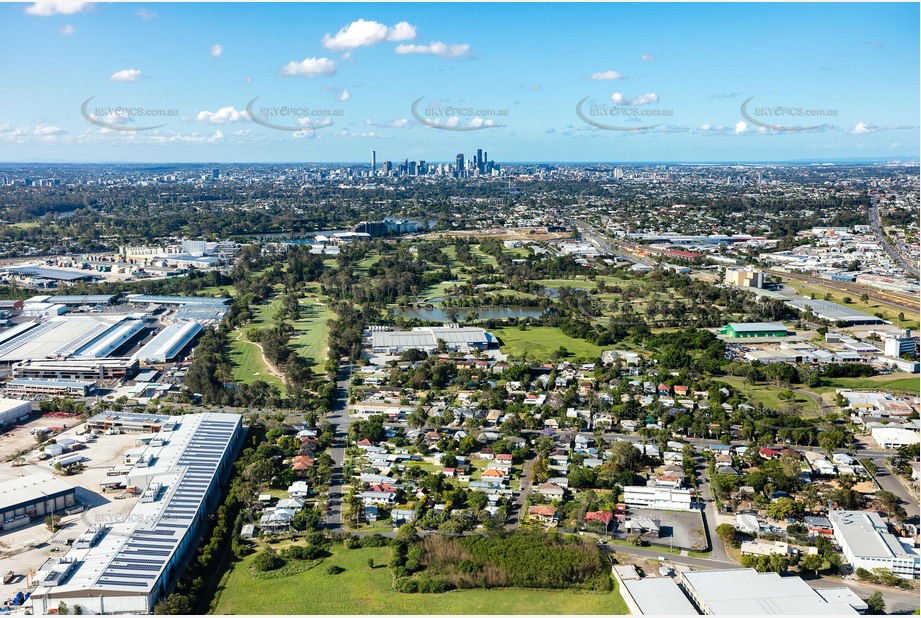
(754, 329)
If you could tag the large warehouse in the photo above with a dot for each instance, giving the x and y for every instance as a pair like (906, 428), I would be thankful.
(866, 543)
(738, 330)
(29, 499)
(11, 410)
(748, 592)
(426, 338)
(79, 336)
(169, 342)
(833, 312)
(131, 564)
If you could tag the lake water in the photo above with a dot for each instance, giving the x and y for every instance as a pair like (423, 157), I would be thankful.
(437, 314)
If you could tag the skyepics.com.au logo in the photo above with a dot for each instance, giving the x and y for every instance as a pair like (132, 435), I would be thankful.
(292, 118)
(449, 117)
(623, 113)
(783, 117)
(132, 118)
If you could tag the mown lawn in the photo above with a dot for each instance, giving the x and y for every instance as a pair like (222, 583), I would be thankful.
(246, 361)
(540, 342)
(311, 342)
(361, 590)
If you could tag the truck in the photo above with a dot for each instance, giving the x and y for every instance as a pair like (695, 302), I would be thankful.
(67, 460)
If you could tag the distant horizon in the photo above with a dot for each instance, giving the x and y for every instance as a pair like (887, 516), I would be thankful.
(551, 82)
(829, 161)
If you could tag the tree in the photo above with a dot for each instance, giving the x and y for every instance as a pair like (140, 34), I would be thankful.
(875, 603)
(781, 508)
(259, 472)
(62, 609)
(812, 562)
(53, 522)
(370, 563)
(41, 436)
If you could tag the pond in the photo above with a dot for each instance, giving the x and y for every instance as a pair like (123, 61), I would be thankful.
(437, 314)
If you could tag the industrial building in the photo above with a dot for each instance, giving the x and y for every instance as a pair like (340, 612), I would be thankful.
(146, 299)
(665, 498)
(427, 339)
(833, 312)
(76, 300)
(896, 345)
(30, 498)
(744, 277)
(133, 563)
(62, 337)
(738, 330)
(866, 543)
(893, 437)
(748, 592)
(127, 422)
(12, 410)
(77, 369)
(651, 596)
(169, 342)
(28, 388)
(35, 272)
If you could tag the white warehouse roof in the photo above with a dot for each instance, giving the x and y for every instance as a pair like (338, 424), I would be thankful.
(169, 342)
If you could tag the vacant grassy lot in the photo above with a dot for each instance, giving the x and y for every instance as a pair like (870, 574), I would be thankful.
(362, 590)
(541, 341)
(767, 394)
(898, 383)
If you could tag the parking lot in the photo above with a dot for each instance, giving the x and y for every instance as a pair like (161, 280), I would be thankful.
(24, 550)
(676, 528)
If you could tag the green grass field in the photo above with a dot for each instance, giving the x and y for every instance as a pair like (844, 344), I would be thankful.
(541, 341)
(896, 383)
(313, 329)
(767, 394)
(246, 360)
(361, 590)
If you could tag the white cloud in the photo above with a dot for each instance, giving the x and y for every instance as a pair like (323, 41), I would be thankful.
(344, 96)
(217, 137)
(225, 115)
(217, 49)
(248, 79)
(647, 58)
(145, 14)
(399, 123)
(605, 75)
(643, 99)
(67, 30)
(56, 7)
(310, 67)
(741, 127)
(365, 33)
(437, 48)
(126, 75)
(865, 128)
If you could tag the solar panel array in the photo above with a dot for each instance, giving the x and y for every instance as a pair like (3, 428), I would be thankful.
(149, 549)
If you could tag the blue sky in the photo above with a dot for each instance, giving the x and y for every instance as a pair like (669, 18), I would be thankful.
(526, 82)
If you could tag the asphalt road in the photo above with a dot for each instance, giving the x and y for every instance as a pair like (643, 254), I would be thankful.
(514, 517)
(340, 420)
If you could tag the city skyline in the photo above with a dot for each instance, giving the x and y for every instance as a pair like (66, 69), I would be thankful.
(703, 83)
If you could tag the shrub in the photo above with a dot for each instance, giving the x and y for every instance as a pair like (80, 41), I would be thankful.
(334, 569)
(267, 560)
